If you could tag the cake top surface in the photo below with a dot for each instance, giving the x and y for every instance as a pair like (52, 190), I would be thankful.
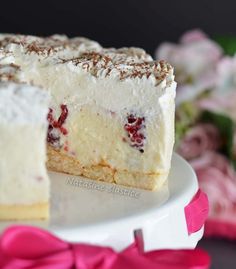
(22, 104)
(8, 72)
(46, 46)
(123, 63)
(81, 53)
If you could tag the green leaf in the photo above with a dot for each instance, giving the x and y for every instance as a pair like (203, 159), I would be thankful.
(228, 43)
(226, 127)
(186, 116)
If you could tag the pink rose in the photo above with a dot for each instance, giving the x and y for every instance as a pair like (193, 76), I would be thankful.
(226, 75)
(195, 55)
(223, 98)
(200, 138)
(194, 60)
(218, 102)
(192, 36)
(218, 179)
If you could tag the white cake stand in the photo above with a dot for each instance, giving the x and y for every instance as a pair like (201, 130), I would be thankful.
(94, 212)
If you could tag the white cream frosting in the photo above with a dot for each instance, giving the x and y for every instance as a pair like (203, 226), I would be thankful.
(23, 128)
(36, 49)
(22, 104)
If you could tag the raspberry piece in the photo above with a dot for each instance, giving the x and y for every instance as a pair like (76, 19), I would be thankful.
(56, 126)
(135, 127)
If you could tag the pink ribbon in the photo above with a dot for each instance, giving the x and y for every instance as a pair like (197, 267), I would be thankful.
(196, 212)
(220, 228)
(33, 248)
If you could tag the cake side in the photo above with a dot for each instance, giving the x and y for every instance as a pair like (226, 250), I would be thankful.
(24, 183)
(126, 125)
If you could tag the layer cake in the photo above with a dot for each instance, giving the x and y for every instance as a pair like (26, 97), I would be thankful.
(111, 115)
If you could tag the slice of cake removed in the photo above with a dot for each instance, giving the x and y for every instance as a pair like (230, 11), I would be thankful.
(24, 184)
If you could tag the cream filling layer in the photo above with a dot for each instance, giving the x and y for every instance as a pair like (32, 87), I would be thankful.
(98, 109)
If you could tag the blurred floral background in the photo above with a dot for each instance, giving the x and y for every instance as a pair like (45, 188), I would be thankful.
(205, 119)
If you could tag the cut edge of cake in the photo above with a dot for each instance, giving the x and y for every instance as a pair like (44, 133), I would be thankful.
(24, 182)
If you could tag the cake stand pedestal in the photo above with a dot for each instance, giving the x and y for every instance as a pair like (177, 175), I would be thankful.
(105, 214)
